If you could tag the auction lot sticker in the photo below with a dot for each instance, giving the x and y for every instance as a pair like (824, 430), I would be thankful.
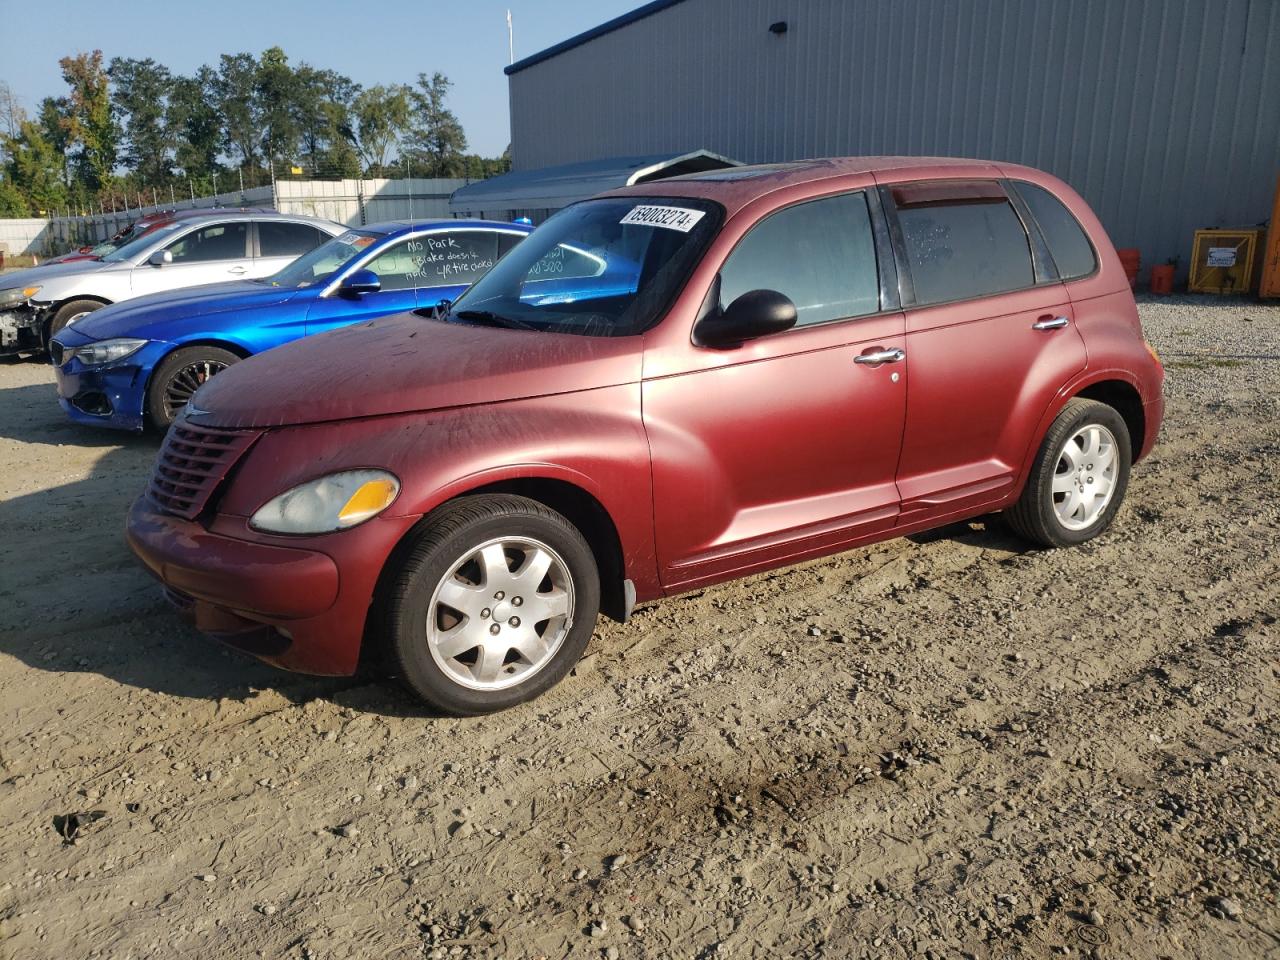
(671, 218)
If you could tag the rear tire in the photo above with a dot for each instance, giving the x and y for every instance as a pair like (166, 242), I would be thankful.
(72, 310)
(178, 376)
(490, 604)
(1079, 477)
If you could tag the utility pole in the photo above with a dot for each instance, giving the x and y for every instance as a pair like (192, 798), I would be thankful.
(511, 42)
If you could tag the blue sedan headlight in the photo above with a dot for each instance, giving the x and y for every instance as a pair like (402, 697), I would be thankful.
(104, 351)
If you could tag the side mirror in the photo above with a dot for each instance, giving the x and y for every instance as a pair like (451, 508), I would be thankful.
(757, 313)
(359, 282)
(160, 258)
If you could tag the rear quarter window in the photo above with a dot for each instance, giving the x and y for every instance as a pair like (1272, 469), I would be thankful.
(1068, 243)
(960, 249)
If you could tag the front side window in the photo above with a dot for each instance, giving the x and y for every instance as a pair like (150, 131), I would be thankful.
(821, 254)
(606, 268)
(279, 239)
(1070, 247)
(966, 247)
(218, 241)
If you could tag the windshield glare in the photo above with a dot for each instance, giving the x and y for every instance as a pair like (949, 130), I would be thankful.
(141, 244)
(325, 260)
(603, 268)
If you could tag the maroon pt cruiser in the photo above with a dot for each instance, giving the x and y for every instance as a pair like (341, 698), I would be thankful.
(664, 387)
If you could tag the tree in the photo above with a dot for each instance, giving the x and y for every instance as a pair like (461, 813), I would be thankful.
(436, 140)
(12, 202)
(91, 129)
(195, 125)
(233, 89)
(35, 169)
(382, 116)
(141, 88)
(322, 105)
(276, 92)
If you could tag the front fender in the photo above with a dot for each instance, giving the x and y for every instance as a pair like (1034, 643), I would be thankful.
(593, 439)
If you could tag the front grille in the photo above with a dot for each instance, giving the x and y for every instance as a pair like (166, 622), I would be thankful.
(192, 462)
(55, 352)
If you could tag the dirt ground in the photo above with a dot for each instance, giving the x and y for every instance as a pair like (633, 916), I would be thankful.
(945, 746)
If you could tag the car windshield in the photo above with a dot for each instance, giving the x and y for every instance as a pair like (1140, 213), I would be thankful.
(139, 245)
(601, 268)
(322, 262)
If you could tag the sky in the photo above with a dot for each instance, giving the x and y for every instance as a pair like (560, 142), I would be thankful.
(368, 41)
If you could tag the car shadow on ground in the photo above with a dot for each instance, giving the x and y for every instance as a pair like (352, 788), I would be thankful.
(989, 532)
(73, 599)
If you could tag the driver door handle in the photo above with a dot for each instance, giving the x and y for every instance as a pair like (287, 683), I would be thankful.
(881, 356)
(1050, 323)
(238, 270)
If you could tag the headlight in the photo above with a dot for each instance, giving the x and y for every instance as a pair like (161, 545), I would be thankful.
(16, 295)
(335, 502)
(104, 351)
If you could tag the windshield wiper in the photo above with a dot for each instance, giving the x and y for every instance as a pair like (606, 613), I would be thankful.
(492, 319)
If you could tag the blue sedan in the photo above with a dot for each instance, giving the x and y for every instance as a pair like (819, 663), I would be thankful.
(139, 362)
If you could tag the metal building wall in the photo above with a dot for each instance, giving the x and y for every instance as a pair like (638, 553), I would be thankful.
(1164, 114)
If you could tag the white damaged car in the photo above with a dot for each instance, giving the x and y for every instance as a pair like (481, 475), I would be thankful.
(37, 303)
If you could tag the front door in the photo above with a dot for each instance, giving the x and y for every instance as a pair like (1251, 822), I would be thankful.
(787, 446)
(419, 271)
(211, 253)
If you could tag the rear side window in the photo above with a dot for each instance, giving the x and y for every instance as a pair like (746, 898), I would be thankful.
(1068, 243)
(820, 253)
(276, 239)
(963, 248)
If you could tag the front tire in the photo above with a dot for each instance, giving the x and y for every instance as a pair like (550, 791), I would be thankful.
(68, 312)
(490, 604)
(1079, 477)
(178, 376)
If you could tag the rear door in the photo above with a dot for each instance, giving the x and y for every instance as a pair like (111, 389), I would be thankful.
(209, 253)
(989, 335)
(280, 242)
(421, 270)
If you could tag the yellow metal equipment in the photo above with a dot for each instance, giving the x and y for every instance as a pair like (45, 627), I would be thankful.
(1270, 285)
(1224, 261)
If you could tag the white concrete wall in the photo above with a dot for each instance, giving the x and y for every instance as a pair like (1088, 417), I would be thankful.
(351, 202)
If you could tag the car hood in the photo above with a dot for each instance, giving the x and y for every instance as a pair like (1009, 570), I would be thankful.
(407, 363)
(48, 272)
(152, 316)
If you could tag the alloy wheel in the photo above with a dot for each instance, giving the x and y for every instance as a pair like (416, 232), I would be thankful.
(186, 381)
(501, 613)
(1084, 478)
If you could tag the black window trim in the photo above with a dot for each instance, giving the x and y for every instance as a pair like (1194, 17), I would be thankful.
(1012, 188)
(906, 284)
(887, 274)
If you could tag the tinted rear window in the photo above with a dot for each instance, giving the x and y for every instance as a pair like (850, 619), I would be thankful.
(1072, 252)
(959, 250)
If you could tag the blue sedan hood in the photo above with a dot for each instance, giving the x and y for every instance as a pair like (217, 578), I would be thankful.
(153, 316)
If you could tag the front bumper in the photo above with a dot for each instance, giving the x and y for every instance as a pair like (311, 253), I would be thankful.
(300, 608)
(20, 330)
(109, 396)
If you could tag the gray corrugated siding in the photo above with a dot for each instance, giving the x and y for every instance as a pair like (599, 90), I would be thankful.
(1164, 114)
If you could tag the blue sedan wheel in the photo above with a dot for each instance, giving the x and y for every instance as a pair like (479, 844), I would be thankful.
(179, 376)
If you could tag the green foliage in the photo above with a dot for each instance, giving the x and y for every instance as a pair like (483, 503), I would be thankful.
(91, 129)
(35, 169)
(134, 132)
(435, 139)
(140, 89)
